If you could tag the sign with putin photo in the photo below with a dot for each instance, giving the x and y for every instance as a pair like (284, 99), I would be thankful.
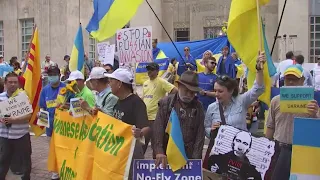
(237, 154)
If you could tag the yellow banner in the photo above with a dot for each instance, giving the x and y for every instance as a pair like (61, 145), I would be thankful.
(87, 147)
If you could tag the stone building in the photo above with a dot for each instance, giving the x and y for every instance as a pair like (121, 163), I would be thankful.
(58, 21)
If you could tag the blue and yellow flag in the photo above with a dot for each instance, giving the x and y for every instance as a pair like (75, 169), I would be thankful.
(176, 153)
(77, 54)
(305, 149)
(111, 15)
(245, 40)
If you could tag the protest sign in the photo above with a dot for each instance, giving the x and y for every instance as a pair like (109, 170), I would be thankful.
(294, 99)
(43, 119)
(109, 54)
(90, 147)
(101, 47)
(75, 108)
(16, 106)
(146, 169)
(134, 45)
(238, 154)
(305, 149)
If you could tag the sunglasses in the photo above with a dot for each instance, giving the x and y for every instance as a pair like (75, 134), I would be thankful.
(223, 78)
(186, 49)
(108, 70)
(213, 63)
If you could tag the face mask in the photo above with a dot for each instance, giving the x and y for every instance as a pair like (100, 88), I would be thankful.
(185, 99)
(53, 79)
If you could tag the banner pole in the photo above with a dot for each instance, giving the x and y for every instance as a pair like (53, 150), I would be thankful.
(259, 32)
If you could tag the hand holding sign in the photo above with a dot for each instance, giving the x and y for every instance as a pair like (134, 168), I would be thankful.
(313, 108)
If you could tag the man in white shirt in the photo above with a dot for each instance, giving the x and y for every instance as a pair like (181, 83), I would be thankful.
(308, 79)
(282, 67)
(316, 75)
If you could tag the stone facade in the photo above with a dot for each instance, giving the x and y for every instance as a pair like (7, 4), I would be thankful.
(58, 21)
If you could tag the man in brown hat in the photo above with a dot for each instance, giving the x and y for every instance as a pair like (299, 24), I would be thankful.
(191, 117)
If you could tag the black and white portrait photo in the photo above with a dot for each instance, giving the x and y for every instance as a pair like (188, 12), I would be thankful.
(238, 155)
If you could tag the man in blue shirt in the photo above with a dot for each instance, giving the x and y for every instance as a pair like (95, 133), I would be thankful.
(206, 83)
(48, 100)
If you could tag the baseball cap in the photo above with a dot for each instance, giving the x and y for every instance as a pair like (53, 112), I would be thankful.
(97, 73)
(153, 66)
(122, 75)
(74, 75)
(295, 70)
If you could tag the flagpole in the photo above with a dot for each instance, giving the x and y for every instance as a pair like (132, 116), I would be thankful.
(260, 65)
(259, 25)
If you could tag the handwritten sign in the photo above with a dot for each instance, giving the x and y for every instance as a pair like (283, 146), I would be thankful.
(294, 99)
(75, 108)
(146, 169)
(238, 154)
(135, 45)
(102, 47)
(43, 119)
(16, 106)
(109, 54)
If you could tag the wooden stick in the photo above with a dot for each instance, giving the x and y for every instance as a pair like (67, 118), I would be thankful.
(259, 25)
(260, 65)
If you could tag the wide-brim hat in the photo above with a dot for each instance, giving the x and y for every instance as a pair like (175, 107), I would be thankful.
(190, 80)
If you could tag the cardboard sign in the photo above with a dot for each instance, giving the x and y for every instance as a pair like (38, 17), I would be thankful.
(238, 154)
(75, 108)
(135, 45)
(109, 54)
(146, 169)
(102, 47)
(16, 106)
(294, 99)
(43, 119)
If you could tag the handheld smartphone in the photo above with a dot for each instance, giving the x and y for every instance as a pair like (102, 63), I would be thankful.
(8, 125)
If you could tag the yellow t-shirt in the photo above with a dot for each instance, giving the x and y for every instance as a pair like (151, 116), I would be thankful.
(153, 91)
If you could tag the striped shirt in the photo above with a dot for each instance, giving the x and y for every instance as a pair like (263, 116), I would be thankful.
(16, 131)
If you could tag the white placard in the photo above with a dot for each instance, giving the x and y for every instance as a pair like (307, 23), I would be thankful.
(43, 119)
(135, 45)
(16, 106)
(109, 54)
(255, 153)
(75, 108)
(101, 47)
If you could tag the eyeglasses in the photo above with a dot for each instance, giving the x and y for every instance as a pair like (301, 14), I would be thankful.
(186, 49)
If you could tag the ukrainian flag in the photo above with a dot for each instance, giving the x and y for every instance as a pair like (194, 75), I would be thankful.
(111, 15)
(306, 149)
(245, 40)
(176, 154)
(77, 54)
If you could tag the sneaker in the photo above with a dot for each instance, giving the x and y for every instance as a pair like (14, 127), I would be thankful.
(55, 176)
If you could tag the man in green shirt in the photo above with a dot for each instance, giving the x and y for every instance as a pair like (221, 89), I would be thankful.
(85, 93)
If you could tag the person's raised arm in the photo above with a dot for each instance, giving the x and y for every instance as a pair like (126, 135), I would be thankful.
(258, 87)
